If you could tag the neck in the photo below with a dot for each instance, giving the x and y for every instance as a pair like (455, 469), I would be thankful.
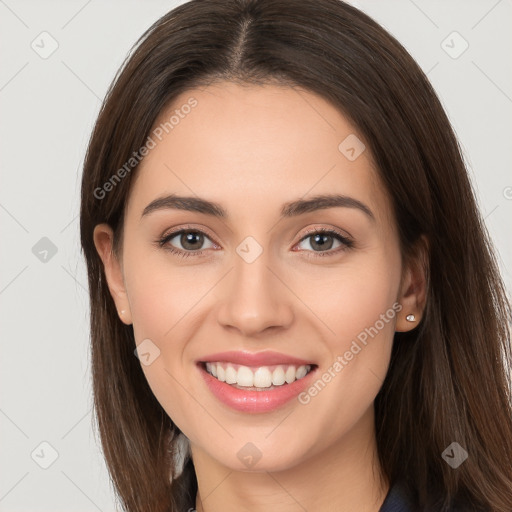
(342, 478)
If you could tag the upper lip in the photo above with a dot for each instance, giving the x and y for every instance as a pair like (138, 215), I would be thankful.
(254, 358)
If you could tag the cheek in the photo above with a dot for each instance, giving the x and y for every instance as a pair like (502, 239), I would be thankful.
(167, 304)
(163, 305)
(161, 294)
(358, 309)
(352, 298)
(159, 303)
(361, 308)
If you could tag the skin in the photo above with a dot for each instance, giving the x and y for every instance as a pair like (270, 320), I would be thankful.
(252, 149)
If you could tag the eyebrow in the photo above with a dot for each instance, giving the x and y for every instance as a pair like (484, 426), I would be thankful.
(291, 209)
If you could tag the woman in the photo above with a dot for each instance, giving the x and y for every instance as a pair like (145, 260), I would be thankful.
(294, 301)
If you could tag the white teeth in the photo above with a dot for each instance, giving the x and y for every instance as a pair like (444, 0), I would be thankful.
(231, 375)
(301, 372)
(262, 377)
(245, 377)
(278, 376)
(289, 376)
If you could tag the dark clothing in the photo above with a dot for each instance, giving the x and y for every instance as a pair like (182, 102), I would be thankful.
(397, 500)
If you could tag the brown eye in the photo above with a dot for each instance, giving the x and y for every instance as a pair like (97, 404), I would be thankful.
(320, 243)
(186, 241)
(192, 240)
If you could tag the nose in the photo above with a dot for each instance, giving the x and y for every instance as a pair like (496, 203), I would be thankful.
(254, 299)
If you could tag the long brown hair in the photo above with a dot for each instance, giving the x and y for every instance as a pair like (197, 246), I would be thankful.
(449, 379)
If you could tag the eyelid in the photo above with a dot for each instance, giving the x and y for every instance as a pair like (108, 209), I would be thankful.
(172, 232)
(344, 238)
(323, 229)
(163, 241)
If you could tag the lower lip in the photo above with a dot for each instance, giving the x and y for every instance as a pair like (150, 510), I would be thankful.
(255, 401)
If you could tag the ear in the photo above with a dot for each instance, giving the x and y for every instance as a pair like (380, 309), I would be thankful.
(413, 288)
(104, 240)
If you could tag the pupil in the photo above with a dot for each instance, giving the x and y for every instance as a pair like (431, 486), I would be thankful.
(319, 240)
(189, 240)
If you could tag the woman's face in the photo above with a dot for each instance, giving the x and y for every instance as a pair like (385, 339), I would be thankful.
(254, 277)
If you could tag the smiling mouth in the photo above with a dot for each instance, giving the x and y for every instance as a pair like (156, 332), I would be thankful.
(258, 378)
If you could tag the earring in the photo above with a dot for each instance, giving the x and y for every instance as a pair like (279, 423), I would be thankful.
(410, 318)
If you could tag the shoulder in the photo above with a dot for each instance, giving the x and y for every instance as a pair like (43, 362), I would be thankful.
(399, 500)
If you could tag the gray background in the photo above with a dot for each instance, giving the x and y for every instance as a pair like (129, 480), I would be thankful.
(48, 107)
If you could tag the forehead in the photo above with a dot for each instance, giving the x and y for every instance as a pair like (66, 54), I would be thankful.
(266, 143)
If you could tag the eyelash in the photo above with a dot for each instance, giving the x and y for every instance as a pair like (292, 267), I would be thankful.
(347, 242)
